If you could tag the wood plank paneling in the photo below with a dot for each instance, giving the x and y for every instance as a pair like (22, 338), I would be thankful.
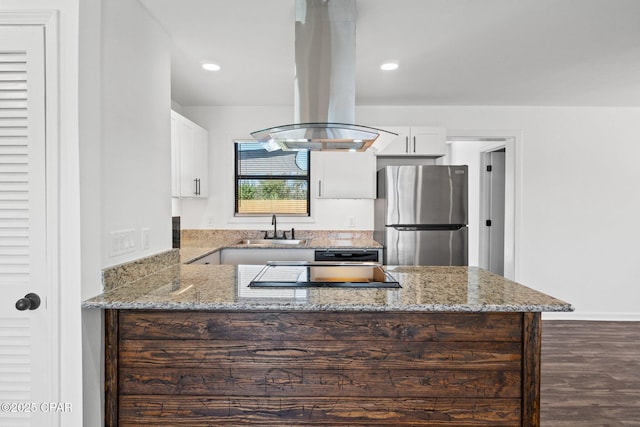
(246, 380)
(207, 411)
(317, 368)
(531, 346)
(321, 354)
(111, 368)
(351, 326)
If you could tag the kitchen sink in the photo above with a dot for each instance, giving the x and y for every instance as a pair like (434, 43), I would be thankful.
(273, 242)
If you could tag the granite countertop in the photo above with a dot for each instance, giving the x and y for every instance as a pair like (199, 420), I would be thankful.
(224, 288)
(192, 253)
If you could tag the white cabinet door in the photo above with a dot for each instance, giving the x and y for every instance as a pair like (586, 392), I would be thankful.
(28, 336)
(428, 141)
(201, 160)
(344, 175)
(399, 145)
(415, 141)
(186, 146)
(190, 146)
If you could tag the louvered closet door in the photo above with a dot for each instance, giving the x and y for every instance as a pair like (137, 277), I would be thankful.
(25, 336)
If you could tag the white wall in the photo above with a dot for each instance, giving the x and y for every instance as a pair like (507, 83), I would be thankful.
(125, 154)
(90, 171)
(228, 123)
(135, 139)
(576, 238)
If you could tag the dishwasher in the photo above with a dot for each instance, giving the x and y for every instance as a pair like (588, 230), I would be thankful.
(339, 255)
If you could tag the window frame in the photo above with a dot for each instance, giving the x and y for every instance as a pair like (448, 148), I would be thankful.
(237, 178)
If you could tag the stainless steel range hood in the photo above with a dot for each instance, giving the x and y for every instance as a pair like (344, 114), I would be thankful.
(325, 56)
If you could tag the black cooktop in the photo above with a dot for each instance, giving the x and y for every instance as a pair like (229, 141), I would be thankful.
(319, 274)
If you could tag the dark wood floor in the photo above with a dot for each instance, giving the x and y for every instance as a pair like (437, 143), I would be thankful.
(590, 374)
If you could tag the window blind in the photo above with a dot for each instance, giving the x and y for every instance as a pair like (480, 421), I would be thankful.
(271, 182)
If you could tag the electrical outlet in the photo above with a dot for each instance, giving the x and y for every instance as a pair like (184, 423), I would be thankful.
(122, 242)
(146, 236)
(352, 222)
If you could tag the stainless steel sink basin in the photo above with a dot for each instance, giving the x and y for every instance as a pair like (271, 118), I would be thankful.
(273, 242)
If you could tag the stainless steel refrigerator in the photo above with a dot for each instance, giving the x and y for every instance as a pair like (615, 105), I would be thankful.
(420, 215)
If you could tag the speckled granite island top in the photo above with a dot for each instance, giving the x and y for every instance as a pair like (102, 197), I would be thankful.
(225, 288)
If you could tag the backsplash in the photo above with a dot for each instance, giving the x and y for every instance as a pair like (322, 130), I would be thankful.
(206, 238)
(118, 275)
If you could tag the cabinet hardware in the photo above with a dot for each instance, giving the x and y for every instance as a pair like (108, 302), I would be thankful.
(406, 144)
(319, 188)
(414, 144)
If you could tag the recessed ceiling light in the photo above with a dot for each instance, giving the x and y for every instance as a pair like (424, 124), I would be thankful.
(389, 65)
(210, 66)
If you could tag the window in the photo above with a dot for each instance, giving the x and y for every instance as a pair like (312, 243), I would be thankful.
(271, 182)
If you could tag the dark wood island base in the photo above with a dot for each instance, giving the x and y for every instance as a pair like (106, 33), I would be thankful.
(206, 368)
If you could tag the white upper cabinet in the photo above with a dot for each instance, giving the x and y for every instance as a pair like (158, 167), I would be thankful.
(189, 161)
(415, 141)
(343, 175)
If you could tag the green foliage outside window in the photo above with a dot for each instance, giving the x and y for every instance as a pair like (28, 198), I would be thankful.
(272, 190)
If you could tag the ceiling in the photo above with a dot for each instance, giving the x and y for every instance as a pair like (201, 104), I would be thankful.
(451, 52)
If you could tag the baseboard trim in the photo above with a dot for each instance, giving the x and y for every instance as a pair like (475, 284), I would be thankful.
(609, 317)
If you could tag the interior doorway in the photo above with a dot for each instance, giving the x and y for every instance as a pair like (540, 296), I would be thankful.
(475, 148)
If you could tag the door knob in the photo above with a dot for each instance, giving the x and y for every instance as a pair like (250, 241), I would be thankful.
(29, 302)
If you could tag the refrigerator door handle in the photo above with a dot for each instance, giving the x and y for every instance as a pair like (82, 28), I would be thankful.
(405, 228)
(426, 227)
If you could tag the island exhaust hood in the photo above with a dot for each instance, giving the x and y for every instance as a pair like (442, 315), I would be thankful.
(325, 56)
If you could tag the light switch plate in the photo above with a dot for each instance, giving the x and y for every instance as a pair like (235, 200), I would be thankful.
(122, 242)
(146, 236)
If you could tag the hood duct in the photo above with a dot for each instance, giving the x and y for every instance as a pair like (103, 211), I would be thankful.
(325, 56)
